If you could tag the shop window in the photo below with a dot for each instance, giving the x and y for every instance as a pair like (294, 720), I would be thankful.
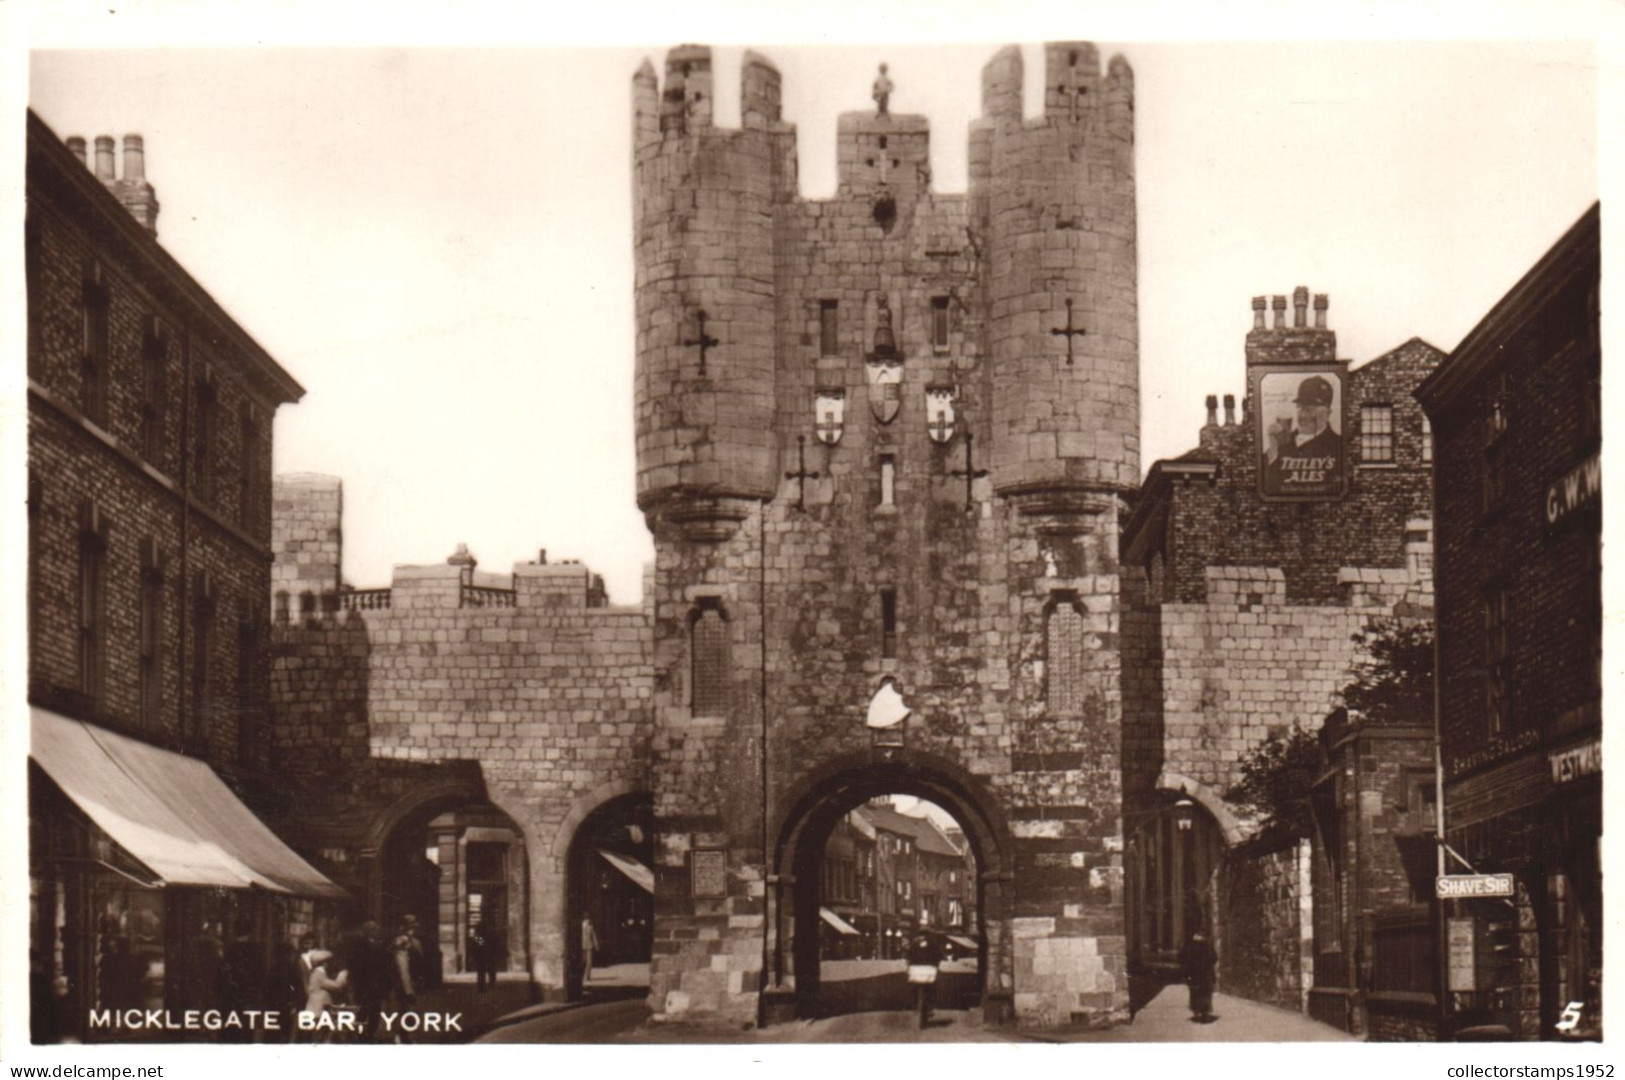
(1376, 434)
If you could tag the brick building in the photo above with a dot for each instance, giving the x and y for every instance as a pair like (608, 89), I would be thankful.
(149, 526)
(1517, 413)
(1250, 564)
(1373, 925)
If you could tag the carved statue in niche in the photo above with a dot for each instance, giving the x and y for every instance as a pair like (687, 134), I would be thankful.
(885, 366)
(882, 93)
(885, 339)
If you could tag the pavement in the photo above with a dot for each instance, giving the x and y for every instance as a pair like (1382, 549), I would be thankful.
(1167, 1019)
(1164, 1019)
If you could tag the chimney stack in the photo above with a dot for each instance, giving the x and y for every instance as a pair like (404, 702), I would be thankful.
(1321, 303)
(76, 147)
(1229, 410)
(104, 158)
(1258, 313)
(135, 165)
(1279, 304)
(1212, 410)
(1300, 307)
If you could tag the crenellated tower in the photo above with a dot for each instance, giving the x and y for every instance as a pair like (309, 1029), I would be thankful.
(1063, 324)
(882, 444)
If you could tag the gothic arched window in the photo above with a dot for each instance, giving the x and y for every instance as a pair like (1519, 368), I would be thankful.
(1063, 655)
(708, 659)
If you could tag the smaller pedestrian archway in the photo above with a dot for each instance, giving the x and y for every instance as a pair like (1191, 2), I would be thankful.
(457, 862)
(842, 829)
(609, 910)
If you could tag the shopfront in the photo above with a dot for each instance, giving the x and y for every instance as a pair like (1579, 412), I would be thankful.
(144, 871)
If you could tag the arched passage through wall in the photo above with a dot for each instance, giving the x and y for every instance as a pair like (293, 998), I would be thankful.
(609, 884)
(812, 811)
(449, 855)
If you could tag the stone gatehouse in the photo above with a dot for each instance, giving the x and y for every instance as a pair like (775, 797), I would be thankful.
(885, 443)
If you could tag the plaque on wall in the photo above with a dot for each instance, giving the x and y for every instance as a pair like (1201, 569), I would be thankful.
(708, 874)
(1301, 424)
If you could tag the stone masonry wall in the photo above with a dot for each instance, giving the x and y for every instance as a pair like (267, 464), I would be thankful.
(799, 569)
(544, 698)
(1265, 949)
(1248, 664)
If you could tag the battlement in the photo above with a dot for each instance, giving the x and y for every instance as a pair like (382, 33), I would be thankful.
(1298, 343)
(880, 149)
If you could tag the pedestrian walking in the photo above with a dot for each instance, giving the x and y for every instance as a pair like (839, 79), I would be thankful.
(323, 994)
(589, 943)
(1198, 960)
(924, 957)
(371, 969)
(240, 978)
(485, 957)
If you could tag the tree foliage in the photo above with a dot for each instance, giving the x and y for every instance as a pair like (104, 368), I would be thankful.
(1392, 682)
(1275, 780)
(1393, 672)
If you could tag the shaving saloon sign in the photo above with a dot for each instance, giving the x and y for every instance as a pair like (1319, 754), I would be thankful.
(1300, 417)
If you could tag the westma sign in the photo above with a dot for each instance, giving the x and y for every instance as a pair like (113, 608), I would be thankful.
(1464, 886)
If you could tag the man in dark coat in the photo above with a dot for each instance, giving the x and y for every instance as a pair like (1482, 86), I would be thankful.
(1198, 960)
(240, 978)
(371, 964)
(924, 955)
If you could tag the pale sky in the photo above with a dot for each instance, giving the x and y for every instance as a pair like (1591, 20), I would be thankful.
(437, 244)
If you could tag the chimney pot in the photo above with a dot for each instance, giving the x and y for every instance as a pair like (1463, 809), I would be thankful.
(76, 147)
(1229, 410)
(1279, 304)
(1320, 311)
(135, 163)
(1300, 306)
(1212, 410)
(104, 158)
(1258, 313)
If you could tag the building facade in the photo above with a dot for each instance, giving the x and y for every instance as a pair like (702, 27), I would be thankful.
(149, 528)
(1252, 562)
(884, 441)
(1517, 412)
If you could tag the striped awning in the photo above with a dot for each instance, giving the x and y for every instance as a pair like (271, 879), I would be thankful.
(169, 811)
(835, 921)
(641, 875)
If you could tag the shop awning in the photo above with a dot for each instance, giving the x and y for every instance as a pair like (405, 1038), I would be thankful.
(964, 942)
(169, 811)
(641, 875)
(836, 921)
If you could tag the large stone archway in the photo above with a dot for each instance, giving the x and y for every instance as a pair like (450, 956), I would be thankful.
(807, 815)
